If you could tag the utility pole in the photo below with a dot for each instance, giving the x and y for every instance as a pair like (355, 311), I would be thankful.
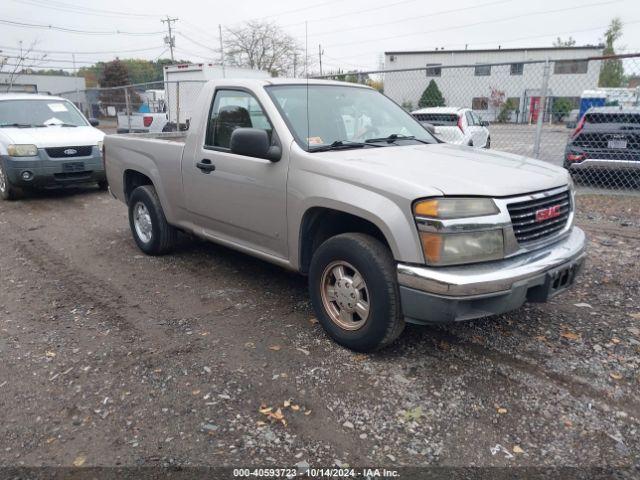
(221, 51)
(320, 53)
(295, 63)
(75, 72)
(170, 40)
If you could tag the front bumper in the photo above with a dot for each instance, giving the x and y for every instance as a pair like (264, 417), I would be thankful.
(447, 294)
(49, 172)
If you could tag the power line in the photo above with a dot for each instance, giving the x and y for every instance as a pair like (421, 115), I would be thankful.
(103, 52)
(485, 22)
(66, 7)
(195, 42)
(414, 17)
(73, 30)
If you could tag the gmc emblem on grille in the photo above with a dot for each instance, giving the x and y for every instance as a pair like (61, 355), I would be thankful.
(547, 213)
(70, 151)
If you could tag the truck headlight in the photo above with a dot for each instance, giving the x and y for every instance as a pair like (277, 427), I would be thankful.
(443, 236)
(448, 208)
(22, 150)
(442, 249)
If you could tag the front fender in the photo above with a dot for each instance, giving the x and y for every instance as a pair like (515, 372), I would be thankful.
(391, 215)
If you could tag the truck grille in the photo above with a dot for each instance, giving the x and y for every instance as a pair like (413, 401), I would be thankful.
(535, 220)
(59, 152)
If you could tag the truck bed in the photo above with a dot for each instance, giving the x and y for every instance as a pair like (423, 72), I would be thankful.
(156, 155)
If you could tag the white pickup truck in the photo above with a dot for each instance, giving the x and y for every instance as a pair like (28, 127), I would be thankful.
(337, 182)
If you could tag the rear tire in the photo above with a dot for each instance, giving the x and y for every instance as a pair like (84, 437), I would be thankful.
(149, 226)
(366, 282)
(488, 144)
(7, 190)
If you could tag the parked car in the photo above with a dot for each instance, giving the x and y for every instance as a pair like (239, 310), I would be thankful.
(151, 117)
(389, 225)
(460, 126)
(46, 141)
(606, 144)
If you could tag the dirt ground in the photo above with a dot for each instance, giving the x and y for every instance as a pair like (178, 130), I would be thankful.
(110, 357)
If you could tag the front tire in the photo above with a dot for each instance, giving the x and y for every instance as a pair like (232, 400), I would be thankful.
(354, 291)
(488, 144)
(149, 226)
(7, 190)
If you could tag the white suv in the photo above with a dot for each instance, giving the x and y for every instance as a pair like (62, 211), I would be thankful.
(460, 126)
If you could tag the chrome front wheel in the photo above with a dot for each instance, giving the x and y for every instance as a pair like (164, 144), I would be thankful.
(345, 296)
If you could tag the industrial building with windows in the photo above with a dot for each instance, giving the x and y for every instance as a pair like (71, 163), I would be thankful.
(485, 80)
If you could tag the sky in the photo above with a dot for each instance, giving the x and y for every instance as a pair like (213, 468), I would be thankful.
(353, 34)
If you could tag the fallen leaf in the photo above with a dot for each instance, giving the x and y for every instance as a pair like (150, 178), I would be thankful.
(615, 375)
(615, 340)
(79, 461)
(502, 410)
(635, 316)
(195, 392)
(582, 305)
(265, 410)
(568, 423)
(541, 338)
(308, 412)
(444, 345)
(517, 449)
(295, 408)
(570, 336)
(359, 357)
(287, 403)
(250, 345)
(477, 339)
(313, 321)
(260, 423)
(50, 354)
(275, 348)
(51, 439)
(306, 352)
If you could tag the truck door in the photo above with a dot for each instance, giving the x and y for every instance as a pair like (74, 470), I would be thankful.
(233, 197)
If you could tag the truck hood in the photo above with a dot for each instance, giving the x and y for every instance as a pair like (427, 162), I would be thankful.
(54, 136)
(418, 170)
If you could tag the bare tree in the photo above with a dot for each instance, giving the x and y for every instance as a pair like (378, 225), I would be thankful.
(262, 46)
(20, 63)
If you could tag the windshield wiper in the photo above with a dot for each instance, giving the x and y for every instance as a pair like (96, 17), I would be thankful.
(19, 125)
(61, 125)
(393, 137)
(342, 144)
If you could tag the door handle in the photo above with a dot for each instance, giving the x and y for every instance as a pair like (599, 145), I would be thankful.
(206, 166)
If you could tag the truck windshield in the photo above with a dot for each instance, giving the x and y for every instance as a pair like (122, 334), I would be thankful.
(40, 113)
(344, 116)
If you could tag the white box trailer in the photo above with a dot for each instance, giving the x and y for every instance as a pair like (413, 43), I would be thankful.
(183, 83)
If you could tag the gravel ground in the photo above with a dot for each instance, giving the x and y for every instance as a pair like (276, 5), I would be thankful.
(110, 358)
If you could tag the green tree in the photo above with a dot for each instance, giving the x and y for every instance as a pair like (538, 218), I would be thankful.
(431, 97)
(612, 71)
(116, 74)
(561, 108)
(506, 109)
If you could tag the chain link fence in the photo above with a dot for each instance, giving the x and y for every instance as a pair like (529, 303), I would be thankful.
(552, 110)
(141, 108)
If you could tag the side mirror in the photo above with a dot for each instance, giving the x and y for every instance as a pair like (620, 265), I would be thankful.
(484, 123)
(253, 142)
(94, 122)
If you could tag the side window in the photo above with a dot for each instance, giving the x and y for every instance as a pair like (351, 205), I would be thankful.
(470, 120)
(476, 119)
(233, 109)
